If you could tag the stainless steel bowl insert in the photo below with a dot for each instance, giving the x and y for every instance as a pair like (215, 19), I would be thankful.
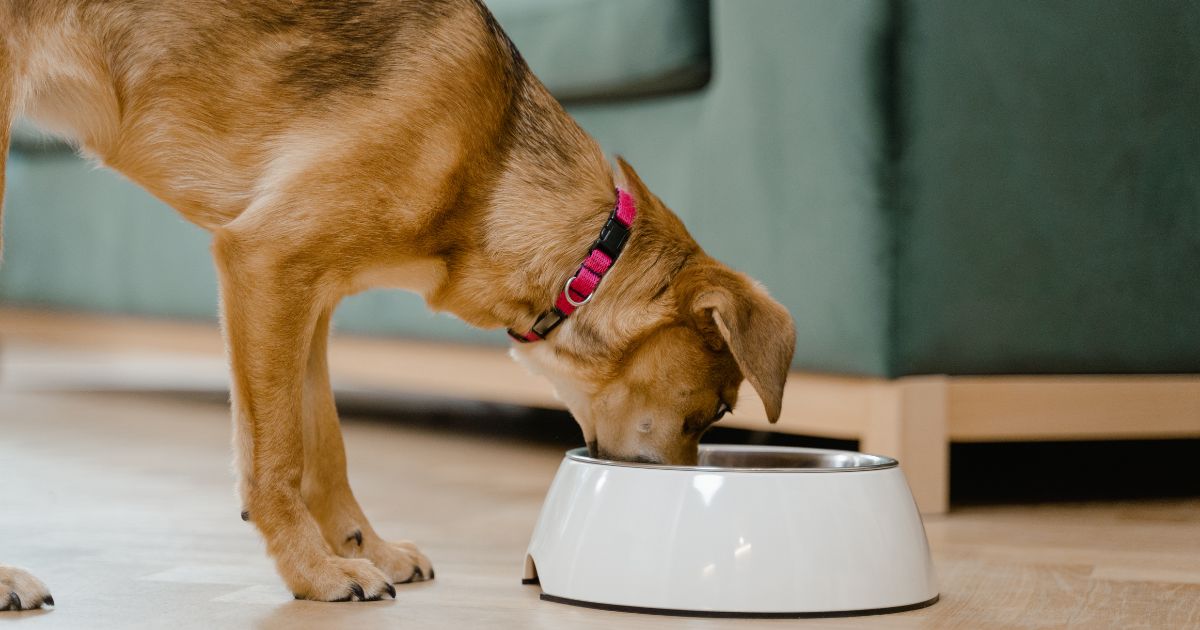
(776, 459)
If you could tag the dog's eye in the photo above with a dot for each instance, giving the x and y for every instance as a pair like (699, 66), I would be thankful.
(697, 423)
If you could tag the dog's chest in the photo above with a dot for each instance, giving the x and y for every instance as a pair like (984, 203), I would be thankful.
(420, 275)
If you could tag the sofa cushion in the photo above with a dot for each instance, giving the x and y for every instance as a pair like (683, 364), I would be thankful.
(592, 49)
(1050, 193)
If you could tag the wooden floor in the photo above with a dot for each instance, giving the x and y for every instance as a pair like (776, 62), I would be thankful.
(123, 504)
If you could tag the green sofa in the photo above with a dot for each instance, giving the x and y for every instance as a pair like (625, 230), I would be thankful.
(959, 187)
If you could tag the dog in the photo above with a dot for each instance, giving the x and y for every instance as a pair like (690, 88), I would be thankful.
(331, 146)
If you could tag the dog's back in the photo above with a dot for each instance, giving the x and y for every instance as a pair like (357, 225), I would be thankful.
(213, 104)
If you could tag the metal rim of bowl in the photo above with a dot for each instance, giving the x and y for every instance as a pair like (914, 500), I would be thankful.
(868, 462)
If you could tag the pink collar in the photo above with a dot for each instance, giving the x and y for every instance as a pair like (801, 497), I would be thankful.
(580, 288)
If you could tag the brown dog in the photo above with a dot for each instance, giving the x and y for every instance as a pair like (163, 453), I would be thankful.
(331, 146)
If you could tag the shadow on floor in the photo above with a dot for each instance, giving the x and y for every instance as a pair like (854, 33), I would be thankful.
(1011, 472)
(990, 473)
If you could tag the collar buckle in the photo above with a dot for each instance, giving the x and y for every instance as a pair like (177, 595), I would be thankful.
(613, 236)
(547, 322)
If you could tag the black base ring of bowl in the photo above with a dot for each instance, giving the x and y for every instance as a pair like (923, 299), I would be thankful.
(720, 614)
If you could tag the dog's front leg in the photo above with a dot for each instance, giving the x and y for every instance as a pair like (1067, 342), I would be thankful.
(273, 294)
(326, 488)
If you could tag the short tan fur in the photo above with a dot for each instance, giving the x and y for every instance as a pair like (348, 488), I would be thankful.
(333, 146)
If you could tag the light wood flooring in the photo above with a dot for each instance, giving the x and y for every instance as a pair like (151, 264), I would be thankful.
(123, 503)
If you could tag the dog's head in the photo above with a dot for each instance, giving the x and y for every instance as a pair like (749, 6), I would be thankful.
(649, 367)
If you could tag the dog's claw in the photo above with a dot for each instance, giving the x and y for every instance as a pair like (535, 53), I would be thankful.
(391, 590)
(432, 573)
(358, 590)
(356, 537)
(417, 576)
(13, 602)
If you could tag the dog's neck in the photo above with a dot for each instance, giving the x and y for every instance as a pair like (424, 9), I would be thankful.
(535, 228)
(536, 234)
(536, 220)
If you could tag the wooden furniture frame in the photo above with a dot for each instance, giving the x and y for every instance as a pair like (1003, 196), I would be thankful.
(913, 419)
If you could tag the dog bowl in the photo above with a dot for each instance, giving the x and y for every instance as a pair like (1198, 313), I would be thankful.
(751, 531)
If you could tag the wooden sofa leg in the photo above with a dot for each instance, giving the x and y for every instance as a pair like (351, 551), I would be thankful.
(908, 421)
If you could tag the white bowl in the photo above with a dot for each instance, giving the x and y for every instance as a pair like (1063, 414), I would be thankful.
(752, 531)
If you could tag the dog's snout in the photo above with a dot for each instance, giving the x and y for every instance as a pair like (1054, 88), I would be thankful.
(596, 452)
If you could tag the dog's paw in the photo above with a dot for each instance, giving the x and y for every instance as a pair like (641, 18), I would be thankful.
(340, 580)
(401, 561)
(19, 590)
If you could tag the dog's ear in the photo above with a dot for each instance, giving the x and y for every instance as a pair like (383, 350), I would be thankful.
(757, 330)
(630, 181)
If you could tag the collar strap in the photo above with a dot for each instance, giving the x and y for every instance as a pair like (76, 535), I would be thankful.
(581, 286)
